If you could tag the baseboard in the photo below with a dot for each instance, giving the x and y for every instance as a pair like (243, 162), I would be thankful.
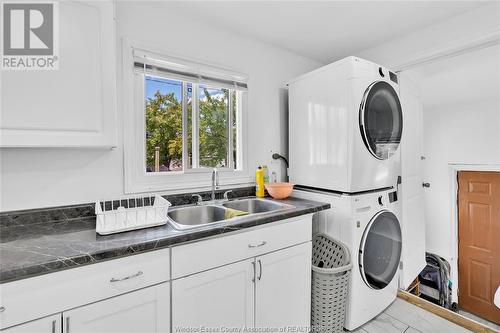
(454, 317)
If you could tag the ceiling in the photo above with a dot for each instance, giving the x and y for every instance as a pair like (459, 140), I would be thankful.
(323, 30)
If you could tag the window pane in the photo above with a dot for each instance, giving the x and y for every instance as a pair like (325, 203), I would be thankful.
(213, 126)
(163, 124)
(234, 128)
(189, 110)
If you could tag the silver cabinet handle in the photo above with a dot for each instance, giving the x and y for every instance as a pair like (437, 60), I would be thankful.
(254, 273)
(2, 309)
(139, 273)
(53, 326)
(260, 270)
(67, 325)
(258, 245)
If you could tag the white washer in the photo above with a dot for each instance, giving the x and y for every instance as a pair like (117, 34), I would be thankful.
(345, 126)
(369, 225)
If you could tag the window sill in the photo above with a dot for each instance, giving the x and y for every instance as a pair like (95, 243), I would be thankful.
(171, 183)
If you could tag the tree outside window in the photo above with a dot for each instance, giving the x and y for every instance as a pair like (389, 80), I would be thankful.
(164, 127)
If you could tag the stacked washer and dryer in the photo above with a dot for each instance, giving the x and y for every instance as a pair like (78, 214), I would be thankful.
(345, 127)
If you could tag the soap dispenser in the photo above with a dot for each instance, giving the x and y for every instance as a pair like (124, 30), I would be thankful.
(259, 182)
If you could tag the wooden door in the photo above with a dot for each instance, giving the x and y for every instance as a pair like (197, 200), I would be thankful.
(142, 311)
(479, 242)
(51, 324)
(283, 288)
(217, 298)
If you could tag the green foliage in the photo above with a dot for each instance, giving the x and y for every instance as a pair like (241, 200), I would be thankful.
(164, 129)
(213, 130)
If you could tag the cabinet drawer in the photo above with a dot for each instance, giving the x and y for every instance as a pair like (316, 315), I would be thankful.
(40, 296)
(196, 257)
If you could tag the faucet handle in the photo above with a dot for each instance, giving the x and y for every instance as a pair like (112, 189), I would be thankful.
(226, 194)
(200, 199)
(215, 178)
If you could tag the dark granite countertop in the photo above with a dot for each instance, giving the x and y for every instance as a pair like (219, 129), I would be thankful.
(35, 248)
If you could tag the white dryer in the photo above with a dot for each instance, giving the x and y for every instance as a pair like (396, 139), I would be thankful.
(345, 126)
(369, 225)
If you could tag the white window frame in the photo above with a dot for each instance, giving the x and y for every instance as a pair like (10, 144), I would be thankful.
(136, 178)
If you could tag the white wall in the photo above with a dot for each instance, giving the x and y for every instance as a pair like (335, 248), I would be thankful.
(32, 178)
(461, 103)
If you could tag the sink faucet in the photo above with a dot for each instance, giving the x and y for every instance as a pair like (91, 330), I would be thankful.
(226, 194)
(215, 182)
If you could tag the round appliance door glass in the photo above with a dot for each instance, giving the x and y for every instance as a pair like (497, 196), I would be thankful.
(381, 120)
(380, 250)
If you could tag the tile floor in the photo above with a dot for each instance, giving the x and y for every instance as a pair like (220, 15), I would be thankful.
(480, 320)
(404, 317)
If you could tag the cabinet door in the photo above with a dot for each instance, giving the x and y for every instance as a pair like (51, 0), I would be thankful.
(412, 192)
(143, 311)
(51, 324)
(221, 297)
(283, 288)
(75, 105)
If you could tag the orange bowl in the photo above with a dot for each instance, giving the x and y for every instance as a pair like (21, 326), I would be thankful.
(279, 190)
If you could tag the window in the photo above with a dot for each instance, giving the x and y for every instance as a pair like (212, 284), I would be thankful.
(163, 112)
(186, 118)
(215, 114)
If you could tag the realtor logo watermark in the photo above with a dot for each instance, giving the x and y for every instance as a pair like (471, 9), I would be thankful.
(30, 36)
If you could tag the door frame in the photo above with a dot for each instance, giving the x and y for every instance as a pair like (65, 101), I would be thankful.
(454, 169)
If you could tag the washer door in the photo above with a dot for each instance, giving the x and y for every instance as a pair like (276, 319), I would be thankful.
(380, 250)
(381, 120)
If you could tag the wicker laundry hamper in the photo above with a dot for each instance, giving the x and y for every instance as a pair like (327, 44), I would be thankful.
(331, 268)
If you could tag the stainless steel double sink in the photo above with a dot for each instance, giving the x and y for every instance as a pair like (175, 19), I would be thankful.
(209, 214)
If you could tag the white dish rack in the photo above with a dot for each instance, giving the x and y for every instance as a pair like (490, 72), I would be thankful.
(126, 214)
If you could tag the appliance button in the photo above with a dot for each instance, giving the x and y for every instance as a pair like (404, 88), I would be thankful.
(381, 72)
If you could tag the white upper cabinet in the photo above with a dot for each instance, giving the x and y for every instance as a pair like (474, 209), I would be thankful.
(74, 106)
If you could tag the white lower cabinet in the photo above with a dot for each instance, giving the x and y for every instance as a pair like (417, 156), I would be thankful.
(220, 297)
(268, 291)
(259, 278)
(142, 311)
(283, 288)
(51, 324)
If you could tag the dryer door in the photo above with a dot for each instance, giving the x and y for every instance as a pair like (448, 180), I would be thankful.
(380, 250)
(381, 120)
